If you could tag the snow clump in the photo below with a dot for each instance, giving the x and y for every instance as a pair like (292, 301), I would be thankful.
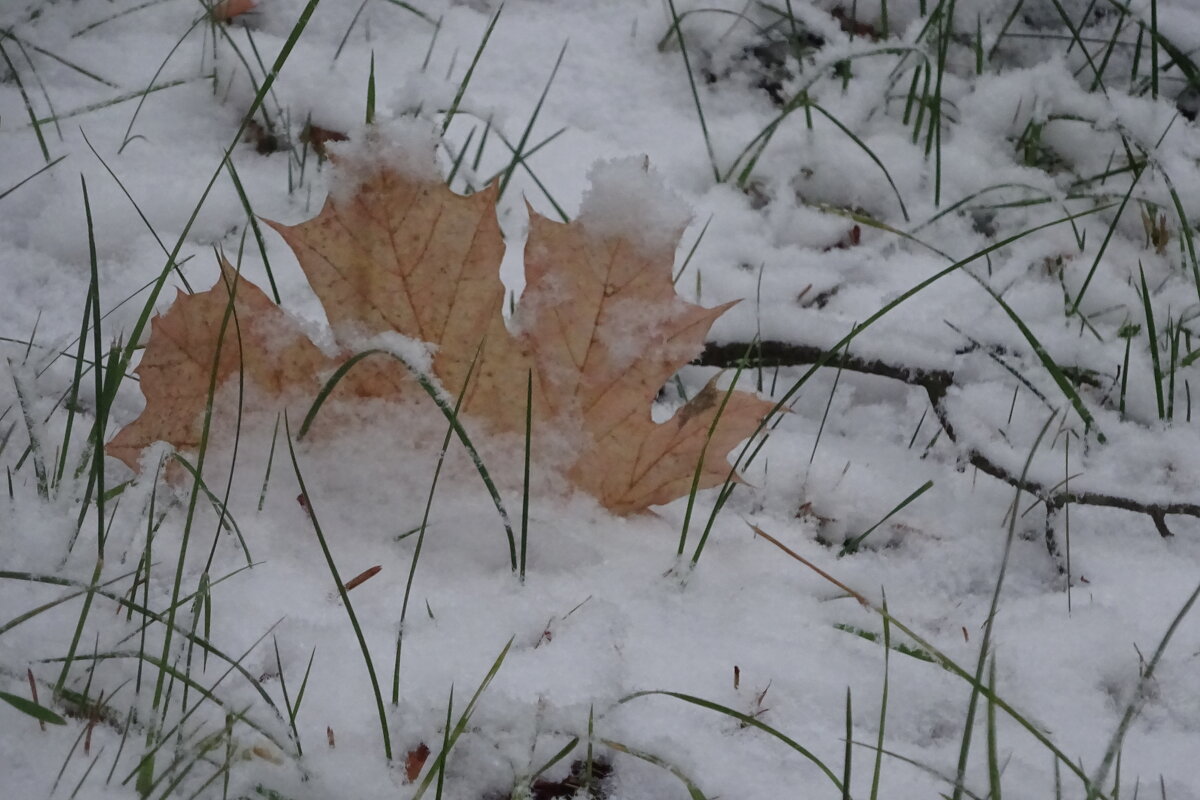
(628, 200)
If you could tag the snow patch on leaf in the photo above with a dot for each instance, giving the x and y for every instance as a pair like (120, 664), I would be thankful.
(631, 324)
(405, 146)
(628, 200)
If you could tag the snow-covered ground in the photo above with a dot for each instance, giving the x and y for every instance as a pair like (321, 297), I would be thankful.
(851, 204)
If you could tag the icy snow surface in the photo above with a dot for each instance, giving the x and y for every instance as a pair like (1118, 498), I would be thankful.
(837, 213)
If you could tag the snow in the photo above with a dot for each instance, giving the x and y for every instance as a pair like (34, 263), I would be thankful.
(606, 608)
(406, 146)
(628, 201)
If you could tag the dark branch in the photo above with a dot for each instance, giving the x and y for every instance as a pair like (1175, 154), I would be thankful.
(936, 384)
(784, 354)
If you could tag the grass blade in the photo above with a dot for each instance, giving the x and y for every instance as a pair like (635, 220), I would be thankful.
(692, 789)
(32, 709)
(341, 587)
(449, 741)
(462, 86)
(446, 410)
(33, 118)
(1140, 693)
(851, 545)
(1060, 378)
(687, 66)
(412, 568)
(745, 719)
(518, 154)
(27, 179)
(1152, 336)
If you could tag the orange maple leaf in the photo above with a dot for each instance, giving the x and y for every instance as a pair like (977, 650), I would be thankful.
(256, 340)
(598, 331)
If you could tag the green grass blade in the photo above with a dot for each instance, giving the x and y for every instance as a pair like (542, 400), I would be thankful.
(993, 755)
(464, 719)
(522, 160)
(563, 752)
(342, 593)
(412, 10)
(73, 396)
(225, 517)
(691, 252)
(1063, 382)
(977, 686)
(745, 719)
(848, 755)
(466, 81)
(712, 429)
(870, 153)
(416, 557)
(852, 545)
(254, 227)
(692, 789)
(883, 701)
(128, 137)
(27, 179)
(441, 765)
(370, 115)
(32, 709)
(33, 612)
(349, 29)
(837, 378)
(446, 410)
(518, 151)
(1152, 336)
(1145, 680)
(287, 700)
(528, 459)
(145, 221)
(1076, 39)
(1185, 229)
(33, 118)
(1107, 238)
(687, 66)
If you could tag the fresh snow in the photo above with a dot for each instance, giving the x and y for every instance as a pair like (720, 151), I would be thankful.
(606, 609)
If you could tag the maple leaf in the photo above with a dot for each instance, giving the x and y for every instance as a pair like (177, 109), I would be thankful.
(598, 330)
(255, 340)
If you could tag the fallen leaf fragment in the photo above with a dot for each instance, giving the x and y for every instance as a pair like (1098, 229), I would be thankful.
(414, 762)
(319, 138)
(267, 753)
(226, 10)
(598, 331)
(363, 577)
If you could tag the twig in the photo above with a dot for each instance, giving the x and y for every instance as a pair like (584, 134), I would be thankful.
(937, 383)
